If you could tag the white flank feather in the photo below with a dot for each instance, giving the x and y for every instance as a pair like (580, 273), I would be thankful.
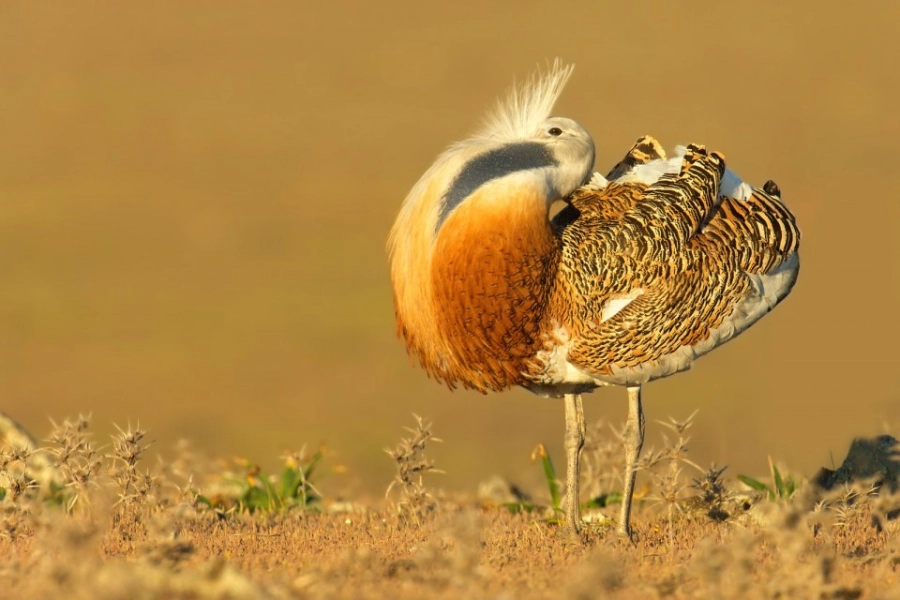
(649, 173)
(733, 187)
(597, 182)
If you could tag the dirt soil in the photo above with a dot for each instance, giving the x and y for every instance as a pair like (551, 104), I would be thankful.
(196, 199)
(461, 551)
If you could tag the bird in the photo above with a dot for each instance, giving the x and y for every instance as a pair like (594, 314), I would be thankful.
(640, 273)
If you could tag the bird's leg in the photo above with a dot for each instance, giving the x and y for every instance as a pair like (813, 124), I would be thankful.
(633, 437)
(574, 443)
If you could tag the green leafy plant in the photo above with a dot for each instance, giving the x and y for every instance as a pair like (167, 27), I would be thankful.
(540, 453)
(604, 500)
(259, 491)
(781, 487)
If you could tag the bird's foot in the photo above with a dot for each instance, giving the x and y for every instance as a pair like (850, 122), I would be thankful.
(573, 537)
(625, 532)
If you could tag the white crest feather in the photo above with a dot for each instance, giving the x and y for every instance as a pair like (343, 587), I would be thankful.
(528, 105)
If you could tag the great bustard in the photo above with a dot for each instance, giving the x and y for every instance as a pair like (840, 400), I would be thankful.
(641, 273)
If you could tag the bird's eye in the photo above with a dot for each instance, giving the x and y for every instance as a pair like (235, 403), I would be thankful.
(555, 131)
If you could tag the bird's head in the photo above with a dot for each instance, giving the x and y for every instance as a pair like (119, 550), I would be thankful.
(519, 142)
(521, 155)
(573, 150)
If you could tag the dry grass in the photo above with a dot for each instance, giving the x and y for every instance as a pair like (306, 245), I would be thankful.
(110, 528)
(412, 466)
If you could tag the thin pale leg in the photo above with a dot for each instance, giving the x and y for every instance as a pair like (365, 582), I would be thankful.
(633, 438)
(574, 443)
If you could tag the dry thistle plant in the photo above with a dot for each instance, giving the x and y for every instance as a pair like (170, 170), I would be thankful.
(601, 461)
(847, 503)
(23, 466)
(76, 458)
(128, 449)
(412, 465)
(14, 479)
(134, 488)
(713, 496)
(15, 485)
(665, 467)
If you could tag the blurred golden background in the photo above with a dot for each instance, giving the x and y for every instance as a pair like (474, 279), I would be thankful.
(195, 197)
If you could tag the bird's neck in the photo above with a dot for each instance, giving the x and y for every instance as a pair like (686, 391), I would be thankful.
(492, 270)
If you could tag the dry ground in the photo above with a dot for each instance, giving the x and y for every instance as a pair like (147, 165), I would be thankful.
(110, 528)
(462, 551)
(195, 198)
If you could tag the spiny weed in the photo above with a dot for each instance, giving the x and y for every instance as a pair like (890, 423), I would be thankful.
(77, 460)
(15, 479)
(665, 468)
(602, 465)
(128, 449)
(412, 464)
(713, 495)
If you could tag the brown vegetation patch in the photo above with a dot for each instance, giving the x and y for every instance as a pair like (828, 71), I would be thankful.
(118, 530)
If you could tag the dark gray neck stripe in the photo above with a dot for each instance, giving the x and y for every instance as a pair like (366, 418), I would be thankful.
(494, 165)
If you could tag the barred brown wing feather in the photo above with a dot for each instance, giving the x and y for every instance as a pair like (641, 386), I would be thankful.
(683, 269)
(761, 230)
(644, 150)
